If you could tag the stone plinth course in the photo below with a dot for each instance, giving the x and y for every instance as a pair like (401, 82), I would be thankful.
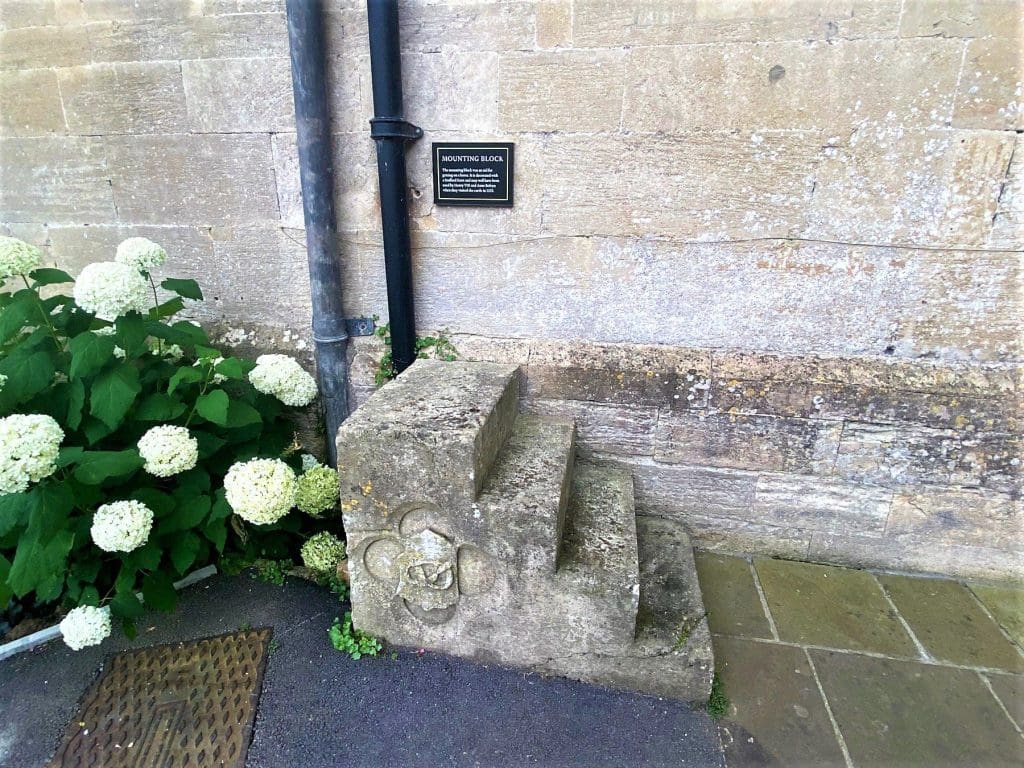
(473, 530)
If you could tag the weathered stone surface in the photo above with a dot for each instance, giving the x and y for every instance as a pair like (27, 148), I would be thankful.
(790, 86)
(122, 10)
(239, 95)
(1007, 606)
(959, 516)
(451, 90)
(533, 89)
(30, 103)
(748, 442)
(197, 179)
(672, 655)
(554, 23)
(831, 607)
(474, 26)
(777, 712)
(26, 13)
(957, 18)
(1010, 691)
(123, 98)
(665, 22)
(950, 624)
(730, 596)
(887, 185)
(43, 47)
(55, 180)
(677, 491)
(189, 249)
(989, 94)
(820, 505)
(609, 429)
(1008, 221)
(192, 37)
(730, 534)
(954, 719)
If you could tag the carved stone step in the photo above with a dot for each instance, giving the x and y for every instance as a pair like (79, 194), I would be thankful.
(671, 655)
(598, 558)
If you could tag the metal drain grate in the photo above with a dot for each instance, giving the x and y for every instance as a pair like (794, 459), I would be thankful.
(186, 704)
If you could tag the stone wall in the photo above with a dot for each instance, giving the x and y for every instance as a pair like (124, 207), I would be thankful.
(767, 253)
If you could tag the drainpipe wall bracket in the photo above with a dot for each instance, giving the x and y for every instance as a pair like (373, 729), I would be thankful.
(394, 128)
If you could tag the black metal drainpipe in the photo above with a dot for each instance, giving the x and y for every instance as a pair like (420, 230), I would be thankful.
(313, 131)
(391, 132)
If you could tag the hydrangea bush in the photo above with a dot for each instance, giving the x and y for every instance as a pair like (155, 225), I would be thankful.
(131, 450)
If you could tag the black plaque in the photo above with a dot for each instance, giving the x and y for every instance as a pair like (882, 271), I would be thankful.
(473, 173)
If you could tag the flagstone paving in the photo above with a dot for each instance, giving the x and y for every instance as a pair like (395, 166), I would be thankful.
(850, 668)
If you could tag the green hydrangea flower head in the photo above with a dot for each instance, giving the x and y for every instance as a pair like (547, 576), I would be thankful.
(318, 491)
(322, 552)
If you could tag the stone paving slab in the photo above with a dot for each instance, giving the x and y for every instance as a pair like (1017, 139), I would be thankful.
(778, 716)
(1007, 605)
(730, 596)
(950, 624)
(907, 714)
(1010, 690)
(832, 607)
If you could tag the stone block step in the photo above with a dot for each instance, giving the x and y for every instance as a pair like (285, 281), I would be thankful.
(598, 560)
(671, 655)
(429, 436)
(522, 506)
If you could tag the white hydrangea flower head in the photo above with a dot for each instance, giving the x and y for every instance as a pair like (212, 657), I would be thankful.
(140, 253)
(121, 526)
(29, 443)
(168, 450)
(85, 626)
(260, 491)
(318, 491)
(17, 257)
(162, 348)
(109, 290)
(322, 552)
(283, 377)
(309, 461)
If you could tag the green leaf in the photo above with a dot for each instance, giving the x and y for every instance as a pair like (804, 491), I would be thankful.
(217, 532)
(28, 373)
(113, 393)
(14, 512)
(242, 415)
(145, 558)
(90, 596)
(195, 334)
(213, 406)
(184, 551)
(131, 333)
(167, 309)
(50, 276)
(184, 375)
(68, 456)
(208, 444)
(188, 289)
(161, 504)
(190, 512)
(16, 313)
(76, 401)
(158, 591)
(96, 466)
(89, 353)
(40, 560)
(159, 407)
(126, 605)
(5, 572)
(94, 429)
(231, 367)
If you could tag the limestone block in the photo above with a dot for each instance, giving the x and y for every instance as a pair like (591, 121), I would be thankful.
(534, 91)
(215, 7)
(732, 535)
(451, 90)
(640, 375)
(958, 516)
(193, 179)
(991, 90)
(791, 86)
(698, 186)
(960, 18)
(15, 14)
(815, 504)
(666, 22)
(239, 95)
(123, 10)
(55, 180)
(677, 491)
(189, 249)
(43, 47)
(191, 37)
(554, 23)
(918, 553)
(491, 350)
(30, 103)
(472, 26)
(1008, 222)
(892, 186)
(609, 429)
(286, 178)
(124, 98)
(748, 442)
(350, 96)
